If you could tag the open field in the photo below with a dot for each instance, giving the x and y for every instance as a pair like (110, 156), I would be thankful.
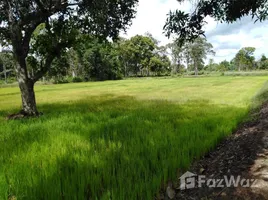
(116, 139)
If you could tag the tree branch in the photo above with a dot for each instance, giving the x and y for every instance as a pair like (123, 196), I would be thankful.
(49, 59)
(40, 5)
(43, 70)
(5, 33)
(43, 12)
(27, 37)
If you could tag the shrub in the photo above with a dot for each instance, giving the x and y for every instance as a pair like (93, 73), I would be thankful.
(60, 80)
(77, 80)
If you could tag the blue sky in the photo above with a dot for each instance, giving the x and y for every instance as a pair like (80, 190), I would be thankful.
(227, 39)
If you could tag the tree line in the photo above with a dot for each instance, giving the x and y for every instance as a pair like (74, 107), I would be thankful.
(91, 59)
(244, 60)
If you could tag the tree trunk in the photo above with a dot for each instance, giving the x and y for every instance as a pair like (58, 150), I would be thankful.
(125, 73)
(26, 86)
(28, 98)
(5, 73)
(175, 69)
(196, 70)
(73, 73)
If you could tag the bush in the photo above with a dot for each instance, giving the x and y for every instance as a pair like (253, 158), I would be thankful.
(77, 80)
(192, 73)
(60, 80)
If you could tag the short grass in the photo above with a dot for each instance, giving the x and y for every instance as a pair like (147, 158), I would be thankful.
(116, 139)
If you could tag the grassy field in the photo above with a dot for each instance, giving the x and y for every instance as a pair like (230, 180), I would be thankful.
(116, 139)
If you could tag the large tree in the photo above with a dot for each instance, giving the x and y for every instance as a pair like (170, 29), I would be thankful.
(63, 19)
(263, 62)
(244, 59)
(192, 53)
(188, 26)
(137, 51)
(177, 55)
(198, 51)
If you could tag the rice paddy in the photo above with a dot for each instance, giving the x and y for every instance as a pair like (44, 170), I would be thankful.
(116, 139)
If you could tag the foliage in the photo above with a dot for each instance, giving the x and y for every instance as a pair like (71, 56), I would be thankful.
(189, 26)
(198, 51)
(50, 36)
(212, 66)
(178, 55)
(139, 51)
(141, 54)
(244, 59)
(77, 80)
(263, 62)
(158, 65)
(193, 53)
(94, 59)
(101, 61)
(223, 66)
(7, 64)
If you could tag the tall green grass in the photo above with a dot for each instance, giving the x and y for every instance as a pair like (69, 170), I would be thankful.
(116, 140)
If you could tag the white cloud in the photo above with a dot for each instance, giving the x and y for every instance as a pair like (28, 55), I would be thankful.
(151, 17)
(227, 39)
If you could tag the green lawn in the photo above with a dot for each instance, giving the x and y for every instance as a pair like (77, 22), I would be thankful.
(116, 139)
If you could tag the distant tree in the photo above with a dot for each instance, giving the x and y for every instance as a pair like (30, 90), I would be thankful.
(7, 64)
(149, 35)
(158, 66)
(137, 51)
(233, 65)
(193, 54)
(63, 19)
(190, 26)
(263, 58)
(245, 59)
(211, 66)
(224, 66)
(198, 51)
(59, 68)
(126, 56)
(100, 60)
(177, 54)
(73, 61)
(263, 62)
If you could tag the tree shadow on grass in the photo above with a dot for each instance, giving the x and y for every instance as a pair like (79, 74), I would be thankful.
(108, 147)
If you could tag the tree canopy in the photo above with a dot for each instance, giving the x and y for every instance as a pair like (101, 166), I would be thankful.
(192, 53)
(244, 59)
(189, 26)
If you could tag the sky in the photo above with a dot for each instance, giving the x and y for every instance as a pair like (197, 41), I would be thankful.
(226, 39)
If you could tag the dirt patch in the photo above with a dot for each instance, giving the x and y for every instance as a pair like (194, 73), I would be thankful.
(244, 154)
(22, 115)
